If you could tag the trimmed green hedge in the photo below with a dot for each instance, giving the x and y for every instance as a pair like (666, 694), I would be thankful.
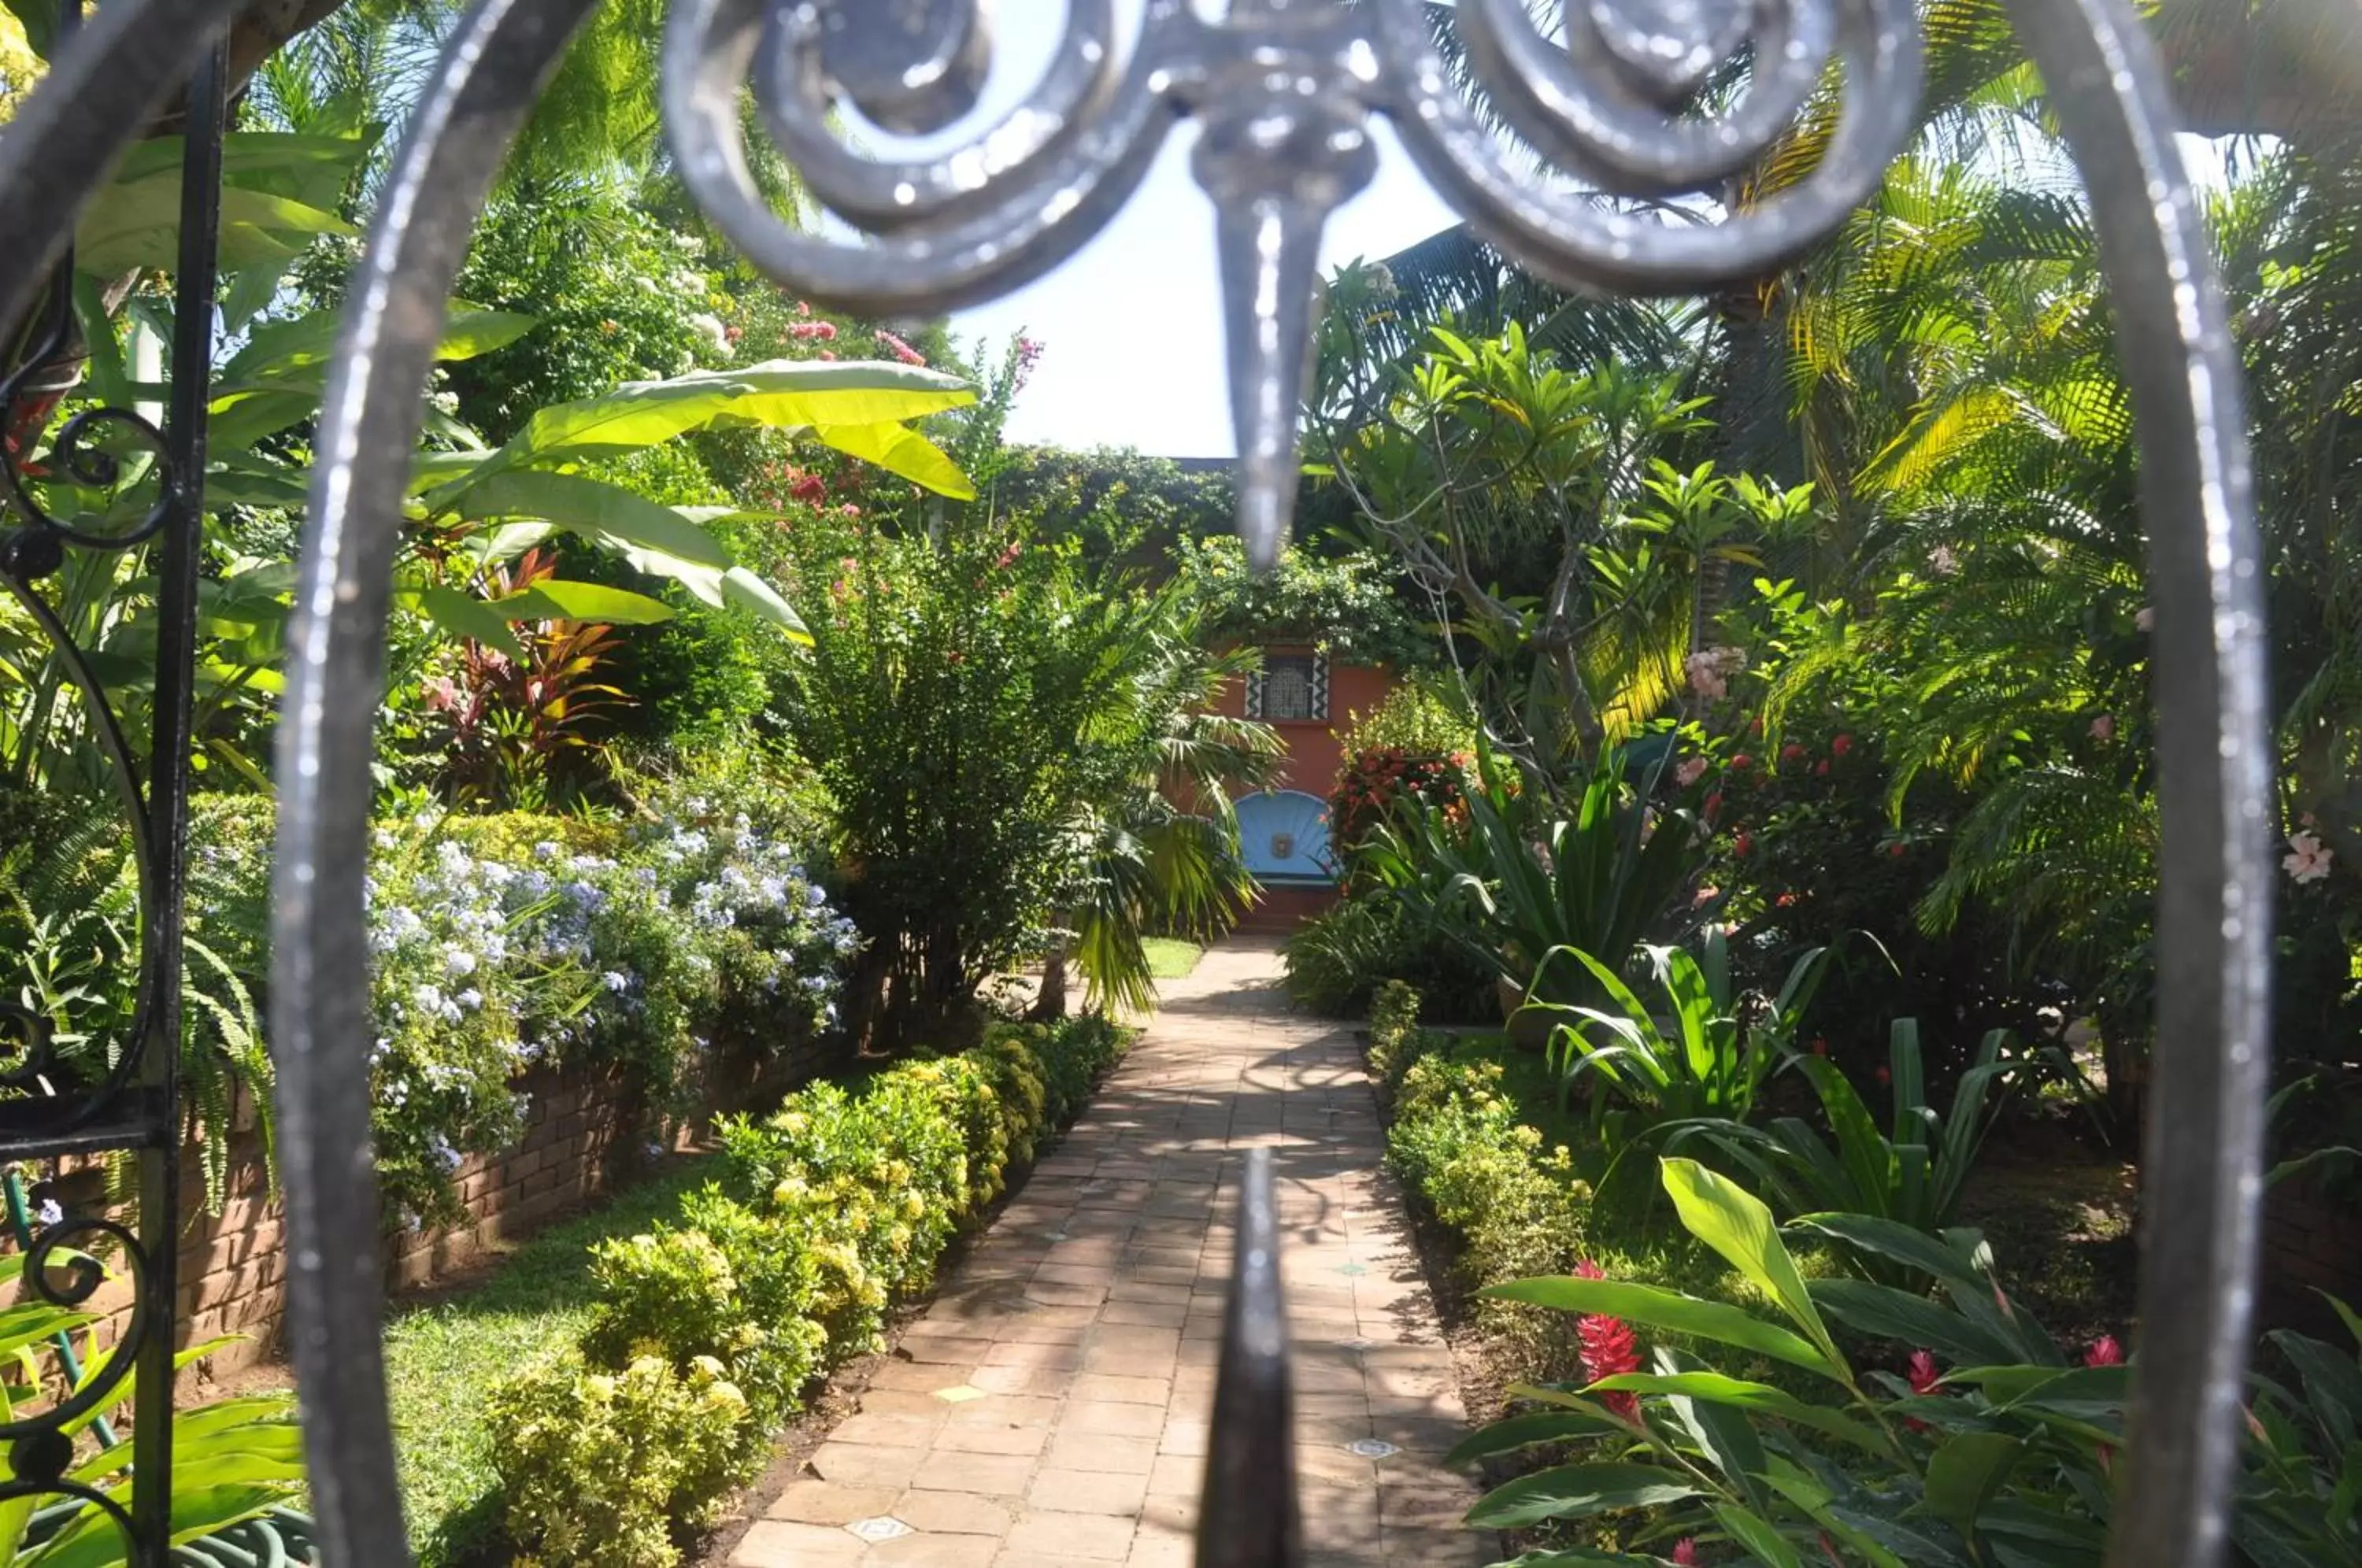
(1457, 1138)
(706, 1333)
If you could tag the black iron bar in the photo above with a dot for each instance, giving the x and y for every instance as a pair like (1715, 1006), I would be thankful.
(1248, 1513)
(196, 285)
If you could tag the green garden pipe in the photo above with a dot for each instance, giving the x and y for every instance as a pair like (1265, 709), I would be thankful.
(20, 1220)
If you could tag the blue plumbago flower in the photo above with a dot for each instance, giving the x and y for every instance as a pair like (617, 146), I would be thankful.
(547, 849)
(459, 961)
(616, 981)
(450, 1158)
(472, 998)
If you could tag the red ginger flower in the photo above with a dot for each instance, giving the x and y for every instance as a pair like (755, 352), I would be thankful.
(2104, 1352)
(1685, 1552)
(1921, 1371)
(1608, 1350)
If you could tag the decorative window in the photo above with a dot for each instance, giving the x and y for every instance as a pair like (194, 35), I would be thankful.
(1292, 689)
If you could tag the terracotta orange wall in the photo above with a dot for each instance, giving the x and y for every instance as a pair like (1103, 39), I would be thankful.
(1314, 750)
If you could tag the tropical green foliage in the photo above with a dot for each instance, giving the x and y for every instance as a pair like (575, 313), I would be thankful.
(1527, 874)
(1994, 1446)
(1915, 1174)
(1644, 1079)
(234, 1459)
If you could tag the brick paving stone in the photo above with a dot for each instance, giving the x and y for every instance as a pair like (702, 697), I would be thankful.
(953, 1513)
(1091, 1319)
(1115, 1421)
(1024, 1440)
(828, 1503)
(864, 1464)
(1098, 1537)
(988, 1474)
(1089, 1492)
(775, 1543)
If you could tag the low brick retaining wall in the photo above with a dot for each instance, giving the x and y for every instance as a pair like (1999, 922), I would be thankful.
(587, 1132)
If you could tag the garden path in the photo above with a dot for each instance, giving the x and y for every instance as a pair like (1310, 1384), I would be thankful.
(1052, 1405)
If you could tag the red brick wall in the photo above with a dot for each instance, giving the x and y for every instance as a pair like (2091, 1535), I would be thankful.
(2313, 1242)
(585, 1132)
(1316, 751)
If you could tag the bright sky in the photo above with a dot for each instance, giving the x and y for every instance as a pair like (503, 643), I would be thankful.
(1131, 325)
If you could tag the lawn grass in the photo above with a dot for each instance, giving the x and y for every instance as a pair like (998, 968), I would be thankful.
(442, 1356)
(1171, 958)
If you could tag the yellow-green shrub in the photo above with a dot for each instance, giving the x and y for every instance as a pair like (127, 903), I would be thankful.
(836, 1204)
(596, 1466)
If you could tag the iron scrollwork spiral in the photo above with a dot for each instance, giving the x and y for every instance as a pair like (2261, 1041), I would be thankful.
(33, 546)
(1284, 90)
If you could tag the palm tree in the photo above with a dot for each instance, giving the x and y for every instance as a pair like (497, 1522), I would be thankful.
(1153, 842)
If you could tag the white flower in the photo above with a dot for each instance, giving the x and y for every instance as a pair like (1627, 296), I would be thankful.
(2146, 618)
(459, 961)
(711, 326)
(2310, 859)
(1943, 561)
(48, 1213)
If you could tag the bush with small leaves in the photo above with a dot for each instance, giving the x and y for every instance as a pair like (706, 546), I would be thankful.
(597, 1466)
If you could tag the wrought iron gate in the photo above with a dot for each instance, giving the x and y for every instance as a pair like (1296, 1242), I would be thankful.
(1283, 91)
(84, 1107)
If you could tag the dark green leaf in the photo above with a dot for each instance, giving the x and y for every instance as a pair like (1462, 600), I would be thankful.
(1656, 1309)
(1575, 1491)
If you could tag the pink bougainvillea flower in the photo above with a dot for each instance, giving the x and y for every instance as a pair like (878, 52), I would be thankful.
(2308, 859)
(827, 354)
(848, 511)
(1607, 1349)
(1821, 768)
(813, 331)
(803, 307)
(1792, 752)
(2103, 728)
(2104, 1352)
(1689, 771)
(1784, 901)
(1685, 1552)
(808, 488)
(900, 349)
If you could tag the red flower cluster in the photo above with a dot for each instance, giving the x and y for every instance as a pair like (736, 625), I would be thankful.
(1608, 1350)
(811, 331)
(2104, 1352)
(1685, 1552)
(1377, 779)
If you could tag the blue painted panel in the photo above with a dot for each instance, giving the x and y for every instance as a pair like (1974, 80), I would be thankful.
(1284, 835)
